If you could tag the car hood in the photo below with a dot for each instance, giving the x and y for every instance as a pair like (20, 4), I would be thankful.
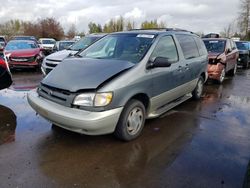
(80, 73)
(243, 52)
(22, 53)
(214, 55)
(61, 55)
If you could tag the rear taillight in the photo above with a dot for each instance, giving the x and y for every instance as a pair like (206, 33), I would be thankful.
(3, 64)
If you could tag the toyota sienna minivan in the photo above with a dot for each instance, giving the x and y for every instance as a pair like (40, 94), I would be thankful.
(121, 80)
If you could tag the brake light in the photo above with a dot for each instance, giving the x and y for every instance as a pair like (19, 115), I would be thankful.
(3, 63)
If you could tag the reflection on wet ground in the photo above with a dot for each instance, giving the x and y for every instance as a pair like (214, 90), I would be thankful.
(197, 144)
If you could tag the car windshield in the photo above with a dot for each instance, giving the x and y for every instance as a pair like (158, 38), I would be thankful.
(216, 46)
(18, 45)
(2, 39)
(242, 45)
(128, 47)
(64, 45)
(45, 41)
(84, 43)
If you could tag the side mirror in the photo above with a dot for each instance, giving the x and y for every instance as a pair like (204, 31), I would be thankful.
(228, 51)
(159, 62)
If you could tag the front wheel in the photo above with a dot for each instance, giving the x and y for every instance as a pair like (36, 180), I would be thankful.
(232, 72)
(197, 93)
(131, 121)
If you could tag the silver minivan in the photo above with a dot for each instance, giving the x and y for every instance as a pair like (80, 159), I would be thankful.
(121, 80)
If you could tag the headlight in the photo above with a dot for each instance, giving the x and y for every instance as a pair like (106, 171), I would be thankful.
(85, 99)
(103, 99)
(92, 99)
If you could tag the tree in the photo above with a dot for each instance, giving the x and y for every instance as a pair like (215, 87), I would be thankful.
(11, 28)
(130, 25)
(50, 28)
(243, 18)
(149, 24)
(72, 32)
(94, 28)
(114, 25)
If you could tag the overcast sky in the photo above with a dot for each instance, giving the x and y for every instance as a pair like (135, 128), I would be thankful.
(196, 15)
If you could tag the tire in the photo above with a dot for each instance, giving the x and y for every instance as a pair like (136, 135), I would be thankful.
(246, 64)
(232, 72)
(197, 93)
(131, 121)
(222, 76)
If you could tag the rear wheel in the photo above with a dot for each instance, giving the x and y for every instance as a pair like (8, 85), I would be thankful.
(197, 93)
(131, 121)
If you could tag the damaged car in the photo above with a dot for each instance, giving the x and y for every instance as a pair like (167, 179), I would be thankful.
(223, 56)
(123, 79)
(5, 75)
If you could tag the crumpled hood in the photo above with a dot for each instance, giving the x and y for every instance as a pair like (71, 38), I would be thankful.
(61, 55)
(79, 73)
(214, 55)
(22, 53)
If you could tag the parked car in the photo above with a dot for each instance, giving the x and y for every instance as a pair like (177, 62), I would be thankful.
(54, 59)
(23, 54)
(32, 38)
(5, 75)
(62, 45)
(2, 45)
(121, 80)
(244, 53)
(223, 56)
(47, 45)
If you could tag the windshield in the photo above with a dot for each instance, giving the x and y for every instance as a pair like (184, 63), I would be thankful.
(242, 45)
(128, 47)
(2, 39)
(216, 46)
(16, 45)
(48, 41)
(64, 45)
(84, 43)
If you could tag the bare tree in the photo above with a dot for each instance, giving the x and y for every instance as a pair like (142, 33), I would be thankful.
(243, 18)
(72, 32)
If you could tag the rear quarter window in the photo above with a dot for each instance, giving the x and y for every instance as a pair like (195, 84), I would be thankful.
(201, 46)
(188, 46)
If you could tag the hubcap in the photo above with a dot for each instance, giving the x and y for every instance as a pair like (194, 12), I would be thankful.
(199, 88)
(135, 120)
(222, 76)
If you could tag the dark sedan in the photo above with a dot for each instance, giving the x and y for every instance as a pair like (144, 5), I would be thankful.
(5, 76)
(244, 56)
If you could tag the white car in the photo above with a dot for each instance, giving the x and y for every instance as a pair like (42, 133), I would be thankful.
(47, 44)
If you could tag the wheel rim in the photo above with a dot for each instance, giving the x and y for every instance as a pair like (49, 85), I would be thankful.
(134, 120)
(222, 76)
(235, 69)
(199, 88)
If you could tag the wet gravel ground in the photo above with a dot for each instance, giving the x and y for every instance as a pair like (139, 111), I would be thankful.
(197, 144)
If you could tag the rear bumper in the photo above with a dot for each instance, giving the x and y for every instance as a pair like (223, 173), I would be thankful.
(76, 120)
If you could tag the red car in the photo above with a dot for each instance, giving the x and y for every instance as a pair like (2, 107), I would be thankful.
(223, 56)
(23, 54)
(5, 76)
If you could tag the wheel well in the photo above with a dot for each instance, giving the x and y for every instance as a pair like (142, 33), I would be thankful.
(143, 98)
(203, 76)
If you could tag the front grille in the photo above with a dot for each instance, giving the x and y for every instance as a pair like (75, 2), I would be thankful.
(23, 59)
(56, 95)
(213, 61)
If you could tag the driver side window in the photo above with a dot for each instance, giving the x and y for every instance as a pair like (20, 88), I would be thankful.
(165, 48)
